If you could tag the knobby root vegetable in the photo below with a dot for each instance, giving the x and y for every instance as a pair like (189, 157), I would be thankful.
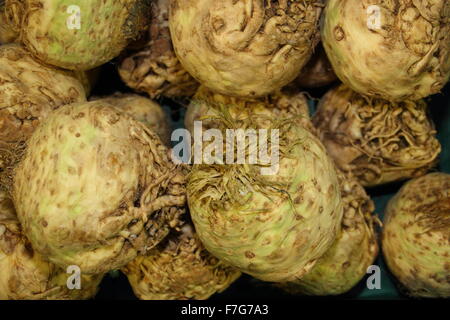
(25, 274)
(244, 48)
(180, 268)
(81, 35)
(96, 187)
(272, 225)
(29, 92)
(378, 141)
(395, 50)
(144, 110)
(354, 250)
(154, 68)
(416, 236)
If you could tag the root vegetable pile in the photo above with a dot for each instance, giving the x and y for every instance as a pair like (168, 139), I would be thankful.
(273, 227)
(217, 149)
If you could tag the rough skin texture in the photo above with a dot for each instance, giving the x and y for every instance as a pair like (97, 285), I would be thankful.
(406, 58)
(416, 236)
(29, 92)
(106, 27)
(179, 269)
(378, 141)
(7, 33)
(25, 275)
(144, 110)
(244, 48)
(96, 187)
(280, 105)
(354, 250)
(317, 72)
(154, 68)
(273, 227)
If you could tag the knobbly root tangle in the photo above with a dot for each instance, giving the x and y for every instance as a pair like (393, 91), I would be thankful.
(179, 268)
(234, 206)
(154, 68)
(377, 140)
(10, 156)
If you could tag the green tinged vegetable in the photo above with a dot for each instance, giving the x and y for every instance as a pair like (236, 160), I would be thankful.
(96, 187)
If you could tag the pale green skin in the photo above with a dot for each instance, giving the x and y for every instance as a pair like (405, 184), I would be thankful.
(82, 168)
(354, 250)
(235, 48)
(395, 64)
(144, 110)
(25, 274)
(106, 28)
(415, 253)
(272, 239)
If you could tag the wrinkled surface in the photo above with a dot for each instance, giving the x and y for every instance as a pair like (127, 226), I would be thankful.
(7, 34)
(25, 275)
(416, 236)
(406, 57)
(144, 110)
(354, 250)
(96, 187)
(49, 30)
(155, 69)
(281, 104)
(29, 92)
(273, 227)
(378, 141)
(179, 269)
(317, 72)
(245, 48)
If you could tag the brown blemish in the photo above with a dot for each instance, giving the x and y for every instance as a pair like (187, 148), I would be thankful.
(249, 254)
(339, 33)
